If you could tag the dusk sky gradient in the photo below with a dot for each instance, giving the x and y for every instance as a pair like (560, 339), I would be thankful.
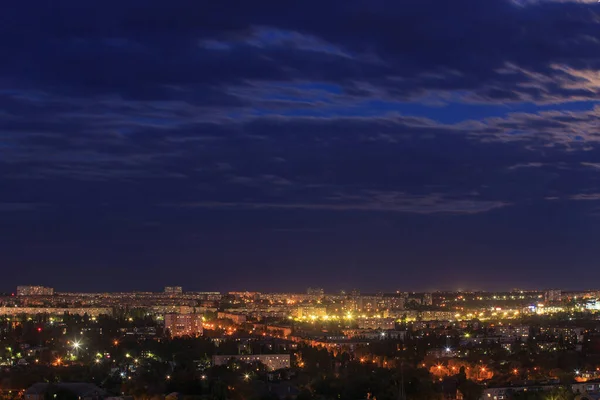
(275, 145)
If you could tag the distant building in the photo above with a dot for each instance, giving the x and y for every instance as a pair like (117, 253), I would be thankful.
(315, 291)
(553, 296)
(369, 304)
(437, 315)
(513, 331)
(393, 302)
(376, 323)
(427, 299)
(184, 324)
(90, 311)
(271, 361)
(34, 291)
(173, 290)
(310, 311)
(236, 318)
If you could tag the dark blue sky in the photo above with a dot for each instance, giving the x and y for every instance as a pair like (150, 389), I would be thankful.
(275, 145)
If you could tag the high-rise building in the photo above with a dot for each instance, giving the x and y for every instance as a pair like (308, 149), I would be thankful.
(173, 290)
(34, 291)
(184, 324)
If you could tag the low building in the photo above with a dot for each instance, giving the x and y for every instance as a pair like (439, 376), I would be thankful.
(271, 361)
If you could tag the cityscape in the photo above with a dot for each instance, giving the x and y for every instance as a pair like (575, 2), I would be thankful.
(519, 344)
(300, 200)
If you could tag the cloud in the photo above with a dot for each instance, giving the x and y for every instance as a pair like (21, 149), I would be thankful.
(591, 165)
(526, 165)
(586, 196)
(571, 130)
(370, 202)
(284, 107)
(497, 51)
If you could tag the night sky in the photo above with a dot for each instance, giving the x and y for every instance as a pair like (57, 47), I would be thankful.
(274, 145)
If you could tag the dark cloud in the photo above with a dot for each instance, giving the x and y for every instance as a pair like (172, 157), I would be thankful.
(489, 51)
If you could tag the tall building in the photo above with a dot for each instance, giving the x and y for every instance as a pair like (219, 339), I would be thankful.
(34, 291)
(173, 290)
(184, 324)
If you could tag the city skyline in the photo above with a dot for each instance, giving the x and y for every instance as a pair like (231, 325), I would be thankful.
(382, 145)
(314, 290)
